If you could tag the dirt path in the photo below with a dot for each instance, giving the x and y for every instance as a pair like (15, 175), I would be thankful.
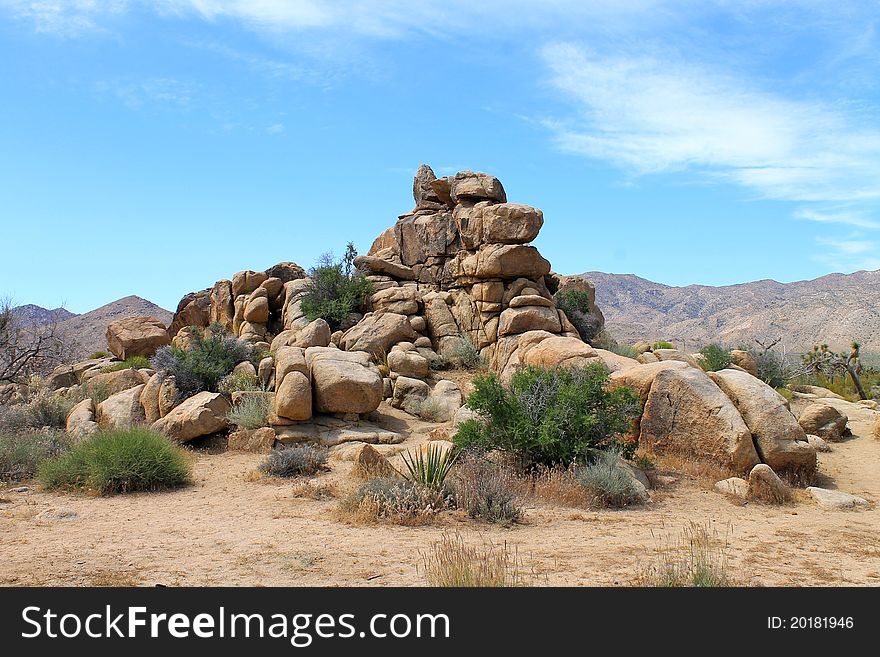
(228, 529)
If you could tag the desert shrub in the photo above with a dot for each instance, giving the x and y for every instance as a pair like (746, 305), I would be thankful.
(772, 367)
(396, 499)
(95, 355)
(213, 355)
(430, 466)
(130, 363)
(486, 490)
(714, 358)
(239, 382)
(451, 562)
(335, 289)
(464, 354)
(45, 409)
(549, 416)
(607, 482)
(577, 307)
(22, 453)
(295, 461)
(698, 558)
(119, 461)
(662, 344)
(439, 362)
(97, 392)
(251, 412)
(430, 410)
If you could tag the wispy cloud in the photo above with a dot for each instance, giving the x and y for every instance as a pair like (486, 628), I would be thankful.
(848, 254)
(846, 217)
(156, 92)
(650, 115)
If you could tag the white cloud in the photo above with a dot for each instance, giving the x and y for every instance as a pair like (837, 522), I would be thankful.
(649, 115)
(847, 217)
(848, 254)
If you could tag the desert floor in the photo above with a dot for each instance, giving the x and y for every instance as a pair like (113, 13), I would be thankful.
(234, 528)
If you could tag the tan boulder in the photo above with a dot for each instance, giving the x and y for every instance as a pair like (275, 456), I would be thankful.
(676, 354)
(556, 351)
(379, 265)
(150, 398)
(245, 282)
(408, 363)
(136, 336)
(780, 441)
(257, 310)
(344, 382)
(81, 419)
(475, 186)
(687, 414)
(116, 381)
(314, 334)
(400, 300)
(445, 399)
(259, 440)
(377, 333)
(529, 318)
(368, 462)
(290, 359)
(200, 415)
(122, 410)
(502, 261)
(824, 421)
(766, 486)
(616, 362)
(409, 394)
(745, 360)
(168, 394)
(511, 223)
(293, 398)
(640, 377)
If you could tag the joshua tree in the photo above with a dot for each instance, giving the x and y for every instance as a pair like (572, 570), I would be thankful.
(821, 360)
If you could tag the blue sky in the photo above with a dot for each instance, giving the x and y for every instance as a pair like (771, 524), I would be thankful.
(152, 148)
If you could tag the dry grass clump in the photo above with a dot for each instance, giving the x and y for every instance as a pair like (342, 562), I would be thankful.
(309, 490)
(452, 562)
(559, 486)
(704, 472)
(396, 500)
(488, 491)
(295, 461)
(698, 557)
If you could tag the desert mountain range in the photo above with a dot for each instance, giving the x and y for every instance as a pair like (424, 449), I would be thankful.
(834, 309)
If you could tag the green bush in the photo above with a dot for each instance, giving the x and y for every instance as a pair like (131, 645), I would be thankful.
(429, 467)
(715, 358)
(607, 482)
(486, 490)
(130, 363)
(295, 461)
(662, 344)
(577, 307)
(213, 354)
(98, 354)
(251, 412)
(335, 289)
(119, 461)
(22, 453)
(549, 416)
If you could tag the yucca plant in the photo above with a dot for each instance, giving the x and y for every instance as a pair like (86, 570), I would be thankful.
(430, 466)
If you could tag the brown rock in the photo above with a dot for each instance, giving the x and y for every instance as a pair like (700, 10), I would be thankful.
(136, 336)
(259, 441)
(122, 410)
(553, 352)
(377, 333)
(245, 282)
(370, 463)
(468, 185)
(745, 360)
(766, 486)
(200, 415)
(529, 318)
(293, 398)
(81, 419)
(116, 381)
(344, 382)
(824, 421)
(150, 398)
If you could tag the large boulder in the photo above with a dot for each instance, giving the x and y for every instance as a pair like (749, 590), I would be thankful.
(745, 360)
(676, 354)
(116, 381)
(687, 414)
(200, 415)
(377, 333)
(616, 362)
(150, 398)
(475, 186)
(641, 377)
(136, 336)
(293, 399)
(445, 400)
(506, 261)
(529, 318)
(400, 300)
(122, 410)
(408, 363)
(780, 441)
(290, 359)
(556, 351)
(824, 421)
(344, 382)
(409, 394)
(81, 419)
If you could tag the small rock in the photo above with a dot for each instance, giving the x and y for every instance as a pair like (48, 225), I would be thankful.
(765, 485)
(734, 486)
(835, 500)
(818, 444)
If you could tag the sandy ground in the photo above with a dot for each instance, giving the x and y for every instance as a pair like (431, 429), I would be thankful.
(232, 529)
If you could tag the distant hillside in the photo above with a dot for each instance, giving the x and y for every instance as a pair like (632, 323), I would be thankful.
(833, 309)
(86, 333)
(31, 315)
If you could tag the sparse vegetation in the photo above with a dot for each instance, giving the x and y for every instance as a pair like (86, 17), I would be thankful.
(486, 490)
(295, 461)
(239, 382)
(118, 461)
(715, 358)
(395, 499)
(607, 482)
(578, 308)
(130, 363)
(43, 410)
(662, 344)
(698, 558)
(552, 416)
(213, 354)
(465, 355)
(95, 355)
(336, 289)
(604, 340)
(430, 410)
(451, 562)
(251, 412)
(22, 453)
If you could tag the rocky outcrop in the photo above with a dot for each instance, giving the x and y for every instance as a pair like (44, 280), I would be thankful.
(780, 441)
(136, 336)
(687, 414)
